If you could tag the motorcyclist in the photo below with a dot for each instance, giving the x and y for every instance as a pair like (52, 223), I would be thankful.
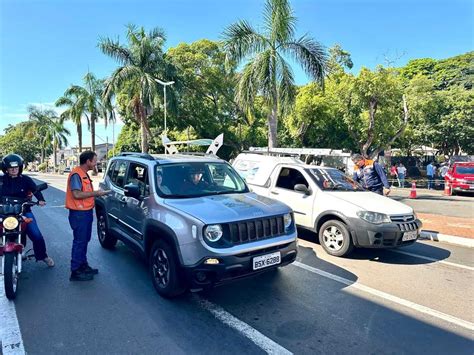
(21, 186)
(370, 174)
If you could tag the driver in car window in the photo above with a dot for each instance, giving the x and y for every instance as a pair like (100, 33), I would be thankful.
(194, 181)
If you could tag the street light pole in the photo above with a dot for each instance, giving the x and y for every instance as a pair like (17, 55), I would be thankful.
(165, 84)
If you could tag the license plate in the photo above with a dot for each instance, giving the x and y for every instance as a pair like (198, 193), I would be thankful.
(264, 261)
(409, 235)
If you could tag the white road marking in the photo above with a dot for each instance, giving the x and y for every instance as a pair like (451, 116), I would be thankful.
(432, 259)
(264, 343)
(417, 307)
(10, 334)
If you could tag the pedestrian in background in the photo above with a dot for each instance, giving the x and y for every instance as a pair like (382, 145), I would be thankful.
(402, 171)
(443, 170)
(370, 174)
(430, 173)
(80, 201)
(394, 174)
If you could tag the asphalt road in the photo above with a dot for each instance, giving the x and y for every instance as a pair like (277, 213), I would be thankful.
(413, 300)
(434, 202)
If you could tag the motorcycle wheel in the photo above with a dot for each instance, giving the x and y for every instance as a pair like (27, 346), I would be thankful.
(11, 275)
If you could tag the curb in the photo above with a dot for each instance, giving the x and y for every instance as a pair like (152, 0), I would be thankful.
(451, 239)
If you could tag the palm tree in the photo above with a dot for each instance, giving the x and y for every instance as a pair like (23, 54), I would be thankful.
(38, 124)
(74, 110)
(267, 73)
(57, 135)
(46, 124)
(141, 61)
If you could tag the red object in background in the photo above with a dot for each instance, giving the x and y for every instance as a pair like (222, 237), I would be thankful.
(460, 176)
(413, 190)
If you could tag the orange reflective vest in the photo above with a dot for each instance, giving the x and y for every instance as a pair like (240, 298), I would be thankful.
(75, 204)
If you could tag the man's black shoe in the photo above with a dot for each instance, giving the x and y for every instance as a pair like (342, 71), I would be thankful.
(89, 270)
(79, 275)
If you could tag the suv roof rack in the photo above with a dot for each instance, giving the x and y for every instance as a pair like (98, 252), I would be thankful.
(136, 154)
(270, 152)
(214, 145)
(299, 151)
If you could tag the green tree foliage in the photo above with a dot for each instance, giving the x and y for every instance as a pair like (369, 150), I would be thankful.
(441, 104)
(267, 73)
(206, 99)
(141, 61)
(446, 73)
(16, 141)
(316, 120)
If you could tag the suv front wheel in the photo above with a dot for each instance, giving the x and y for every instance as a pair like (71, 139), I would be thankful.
(165, 270)
(105, 238)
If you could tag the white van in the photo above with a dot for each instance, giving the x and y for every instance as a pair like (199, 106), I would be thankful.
(330, 203)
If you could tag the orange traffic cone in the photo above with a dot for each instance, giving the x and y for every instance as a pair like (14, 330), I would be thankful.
(447, 189)
(413, 190)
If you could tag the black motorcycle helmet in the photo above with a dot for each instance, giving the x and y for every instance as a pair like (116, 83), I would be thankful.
(12, 161)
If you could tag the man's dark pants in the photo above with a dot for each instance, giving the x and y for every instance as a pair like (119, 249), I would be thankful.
(430, 182)
(81, 224)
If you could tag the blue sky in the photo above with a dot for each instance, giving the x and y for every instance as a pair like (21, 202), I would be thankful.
(46, 45)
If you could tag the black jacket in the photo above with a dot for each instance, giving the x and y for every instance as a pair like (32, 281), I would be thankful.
(20, 187)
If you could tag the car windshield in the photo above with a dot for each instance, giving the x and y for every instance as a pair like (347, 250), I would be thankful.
(197, 179)
(465, 170)
(333, 180)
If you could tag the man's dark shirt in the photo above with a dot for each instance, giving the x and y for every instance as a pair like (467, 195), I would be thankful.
(20, 187)
(371, 176)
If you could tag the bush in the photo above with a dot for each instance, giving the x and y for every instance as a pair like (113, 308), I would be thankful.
(42, 167)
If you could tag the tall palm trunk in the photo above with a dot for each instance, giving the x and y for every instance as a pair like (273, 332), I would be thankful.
(273, 128)
(144, 129)
(79, 136)
(55, 150)
(273, 116)
(93, 118)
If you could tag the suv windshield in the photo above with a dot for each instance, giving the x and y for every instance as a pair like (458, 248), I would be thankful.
(465, 170)
(333, 180)
(197, 179)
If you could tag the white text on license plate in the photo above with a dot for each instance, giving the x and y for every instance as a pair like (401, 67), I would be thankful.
(409, 235)
(263, 261)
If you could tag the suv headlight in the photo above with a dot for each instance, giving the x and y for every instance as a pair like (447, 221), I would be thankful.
(287, 220)
(374, 217)
(213, 232)
(10, 223)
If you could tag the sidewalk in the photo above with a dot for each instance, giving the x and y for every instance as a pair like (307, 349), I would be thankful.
(445, 218)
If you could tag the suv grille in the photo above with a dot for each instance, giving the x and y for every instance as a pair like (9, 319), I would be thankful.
(253, 230)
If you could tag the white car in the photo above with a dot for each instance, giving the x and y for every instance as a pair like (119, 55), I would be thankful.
(331, 204)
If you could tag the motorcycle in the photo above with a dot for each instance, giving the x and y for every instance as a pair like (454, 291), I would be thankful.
(13, 228)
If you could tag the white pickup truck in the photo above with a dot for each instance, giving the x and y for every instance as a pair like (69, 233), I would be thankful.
(330, 203)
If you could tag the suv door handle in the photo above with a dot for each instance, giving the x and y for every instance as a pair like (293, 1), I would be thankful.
(274, 192)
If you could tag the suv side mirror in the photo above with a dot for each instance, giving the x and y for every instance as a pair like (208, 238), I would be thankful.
(302, 188)
(132, 190)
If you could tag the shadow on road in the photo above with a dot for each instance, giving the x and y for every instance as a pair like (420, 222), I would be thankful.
(388, 256)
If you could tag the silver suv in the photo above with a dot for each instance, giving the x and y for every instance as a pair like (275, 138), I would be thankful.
(193, 219)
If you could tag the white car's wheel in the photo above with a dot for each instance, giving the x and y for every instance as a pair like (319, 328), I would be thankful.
(335, 238)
